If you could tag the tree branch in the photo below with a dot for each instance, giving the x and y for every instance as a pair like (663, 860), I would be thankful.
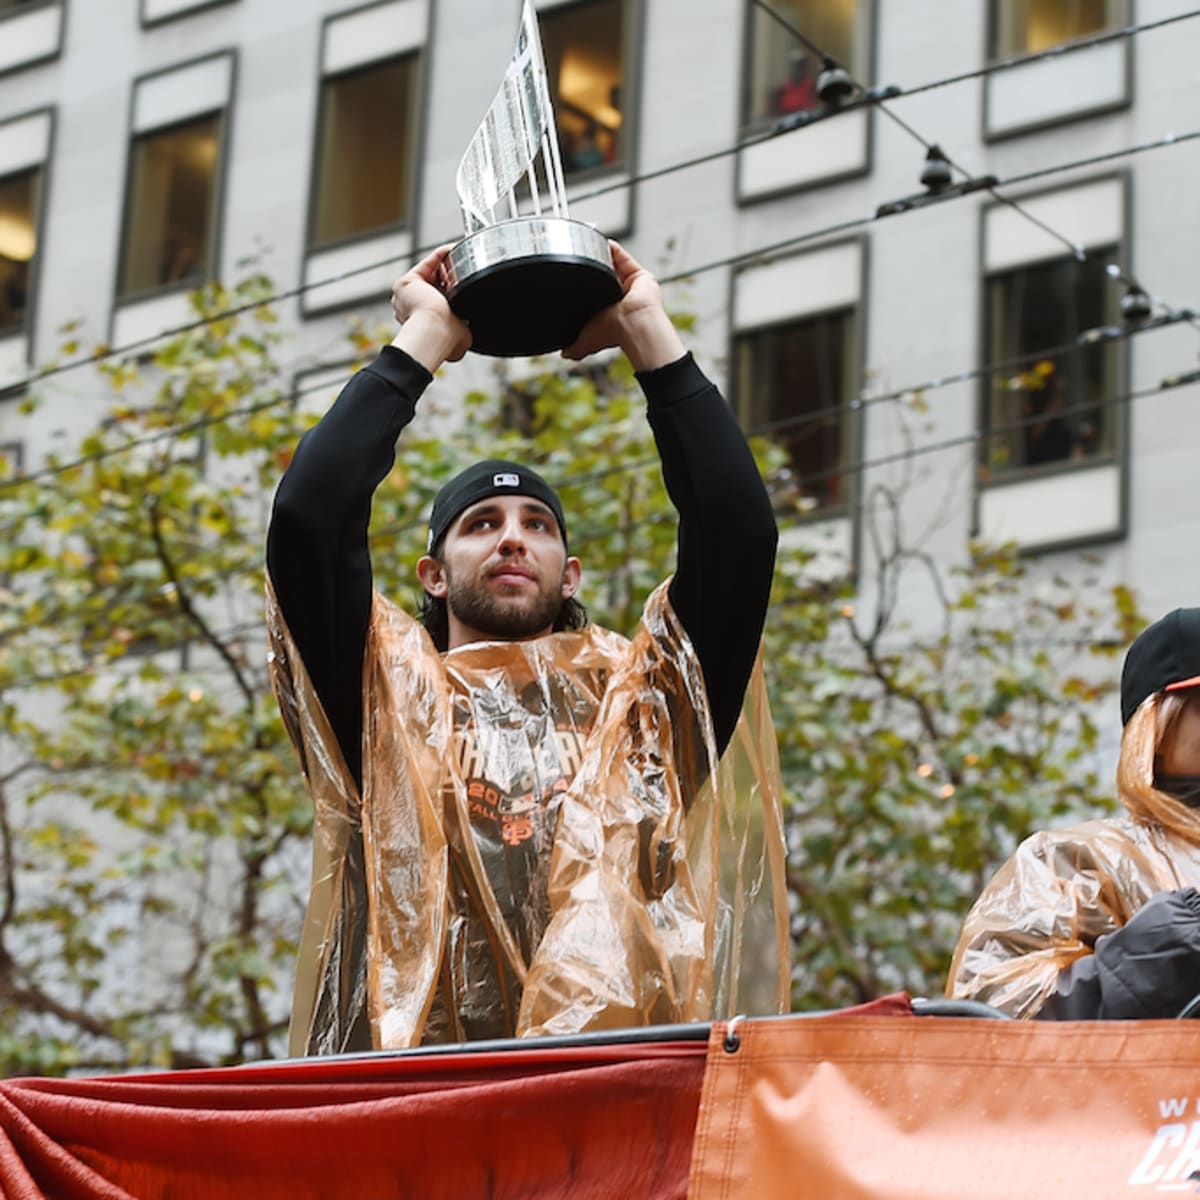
(190, 611)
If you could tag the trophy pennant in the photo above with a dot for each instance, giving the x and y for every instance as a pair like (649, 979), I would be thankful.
(524, 283)
(518, 125)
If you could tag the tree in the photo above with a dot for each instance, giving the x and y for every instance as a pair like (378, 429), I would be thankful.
(151, 829)
(153, 824)
(915, 760)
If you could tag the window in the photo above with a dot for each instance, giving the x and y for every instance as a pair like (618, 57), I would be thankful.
(12, 458)
(1054, 410)
(783, 74)
(171, 231)
(584, 47)
(32, 32)
(1027, 26)
(1051, 458)
(364, 181)
(25, 151)
(362, 201)
(18, 244)
(793, 382)
(170, 206)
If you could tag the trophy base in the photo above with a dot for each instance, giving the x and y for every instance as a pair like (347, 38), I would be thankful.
(530, 284)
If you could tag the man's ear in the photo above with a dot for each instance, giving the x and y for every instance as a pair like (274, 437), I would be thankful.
(432, 575)
(572, 576)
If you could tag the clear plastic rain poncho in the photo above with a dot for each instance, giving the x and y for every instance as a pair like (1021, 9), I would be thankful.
(1064, 888)
(544, 842)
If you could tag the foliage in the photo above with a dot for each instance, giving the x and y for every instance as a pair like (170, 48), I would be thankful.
(916, 758)
(153, 825)
(150, 818)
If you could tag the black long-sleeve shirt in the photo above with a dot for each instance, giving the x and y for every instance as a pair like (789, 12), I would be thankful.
(318, 557)
(1150, 967)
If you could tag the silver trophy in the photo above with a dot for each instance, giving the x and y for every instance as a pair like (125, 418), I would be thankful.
(524, 283)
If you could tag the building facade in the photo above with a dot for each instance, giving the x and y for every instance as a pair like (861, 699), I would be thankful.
(147, 146)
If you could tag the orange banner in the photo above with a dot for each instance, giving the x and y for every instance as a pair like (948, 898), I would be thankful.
(936, 1107)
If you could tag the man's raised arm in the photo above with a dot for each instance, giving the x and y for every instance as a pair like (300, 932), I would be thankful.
(727, 532)
(317, 552)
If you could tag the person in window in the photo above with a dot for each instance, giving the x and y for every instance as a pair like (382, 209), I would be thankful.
(180, 260)
(798, 92)
(1102, 920)
(587, 153)
(1050, 436)
(509, 798)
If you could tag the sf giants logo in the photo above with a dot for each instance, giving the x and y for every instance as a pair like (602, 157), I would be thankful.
(1172, 1160)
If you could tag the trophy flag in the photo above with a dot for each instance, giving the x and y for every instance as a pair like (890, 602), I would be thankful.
(526, 284)
(519, 124)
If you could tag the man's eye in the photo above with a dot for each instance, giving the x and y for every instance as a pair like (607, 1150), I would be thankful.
(539, 523)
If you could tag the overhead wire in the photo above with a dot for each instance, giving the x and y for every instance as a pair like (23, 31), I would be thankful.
(975, 437)
(746, 256)
(987, 184)
(873, 96)
(869, 98)
(1062, 50)
(766, 428)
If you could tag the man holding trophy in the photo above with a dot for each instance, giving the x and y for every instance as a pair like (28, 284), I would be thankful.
(525, 823)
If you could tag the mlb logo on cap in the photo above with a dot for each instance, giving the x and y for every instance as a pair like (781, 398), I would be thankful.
(506, 479)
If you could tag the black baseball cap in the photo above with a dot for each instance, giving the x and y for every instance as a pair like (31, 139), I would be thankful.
(1164, 657)
(492, 477)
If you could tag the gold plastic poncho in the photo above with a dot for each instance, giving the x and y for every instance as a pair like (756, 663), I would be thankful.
(544, 842)
(1065, 888)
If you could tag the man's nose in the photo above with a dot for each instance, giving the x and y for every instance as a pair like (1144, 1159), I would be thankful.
(512, 536)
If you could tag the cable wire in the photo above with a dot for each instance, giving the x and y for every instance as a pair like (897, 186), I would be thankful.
(766, 428)
(975, 437)
(871, 97)
(1059, 51)
(992, 187)
(886, 212)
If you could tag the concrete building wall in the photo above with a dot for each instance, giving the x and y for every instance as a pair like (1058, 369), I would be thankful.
(920, 307)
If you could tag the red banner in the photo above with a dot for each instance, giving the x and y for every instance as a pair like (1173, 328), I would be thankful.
(592, 1122)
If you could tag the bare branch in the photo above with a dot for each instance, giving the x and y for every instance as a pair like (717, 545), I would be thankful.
(190, 611)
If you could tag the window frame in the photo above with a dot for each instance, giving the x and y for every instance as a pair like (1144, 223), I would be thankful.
(41, 59)
(1119, 456)
(848, 416)
(615, 212)
(1026, 471)
(224, 114)
(992, 21)
(314, 310)
(29, 327)
(193, 9)
(1031, 60)
(847, 513)
(869, 15)
(415, 151)
(632, 17)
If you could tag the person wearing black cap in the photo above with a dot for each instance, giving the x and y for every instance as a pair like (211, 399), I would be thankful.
(1102, 920)
(507, 796)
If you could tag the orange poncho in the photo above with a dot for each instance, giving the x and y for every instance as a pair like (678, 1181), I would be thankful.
(1064, 888)
(544, 843)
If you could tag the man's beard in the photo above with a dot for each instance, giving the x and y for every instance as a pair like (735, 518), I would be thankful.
(505, 618)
